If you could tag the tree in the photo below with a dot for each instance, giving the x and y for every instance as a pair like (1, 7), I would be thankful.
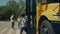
(13, 7)
(22, 6)
(10, 8)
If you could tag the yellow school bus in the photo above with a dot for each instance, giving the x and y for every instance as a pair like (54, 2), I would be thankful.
(47, 15)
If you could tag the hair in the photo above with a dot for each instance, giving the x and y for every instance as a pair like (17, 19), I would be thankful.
(22, 15)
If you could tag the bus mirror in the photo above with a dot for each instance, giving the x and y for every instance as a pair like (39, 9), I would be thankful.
(43, 1)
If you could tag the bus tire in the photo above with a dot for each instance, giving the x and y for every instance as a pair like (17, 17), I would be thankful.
(46, 27)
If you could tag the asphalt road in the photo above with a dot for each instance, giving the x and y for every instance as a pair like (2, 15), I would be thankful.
(4, 24)
(5, 28)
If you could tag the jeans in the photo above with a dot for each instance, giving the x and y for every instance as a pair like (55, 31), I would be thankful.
(23, 29)
(12, 24)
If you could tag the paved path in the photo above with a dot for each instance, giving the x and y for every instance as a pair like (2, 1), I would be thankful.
(10, 31)
(5, 28)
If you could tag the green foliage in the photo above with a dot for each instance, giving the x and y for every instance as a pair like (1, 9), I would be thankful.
(12, 7)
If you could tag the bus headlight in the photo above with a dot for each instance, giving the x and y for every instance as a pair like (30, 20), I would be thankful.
(57, 16)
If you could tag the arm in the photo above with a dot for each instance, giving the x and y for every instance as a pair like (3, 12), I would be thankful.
(24, 21)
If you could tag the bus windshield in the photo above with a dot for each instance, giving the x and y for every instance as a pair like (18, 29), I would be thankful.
(49, 1)
(53, 1)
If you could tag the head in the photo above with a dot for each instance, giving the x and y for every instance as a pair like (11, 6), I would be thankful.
(22, 14)
(12, 15)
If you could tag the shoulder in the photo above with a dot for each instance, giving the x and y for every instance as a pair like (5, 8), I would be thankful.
(23, 19)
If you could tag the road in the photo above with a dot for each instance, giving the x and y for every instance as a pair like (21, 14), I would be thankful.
(5, 28)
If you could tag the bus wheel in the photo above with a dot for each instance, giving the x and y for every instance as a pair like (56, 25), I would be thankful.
(46, 27)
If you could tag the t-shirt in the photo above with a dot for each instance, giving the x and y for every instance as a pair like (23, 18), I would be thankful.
(12, 18)
(21, 23)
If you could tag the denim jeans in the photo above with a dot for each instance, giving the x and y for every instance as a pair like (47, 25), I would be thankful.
(12, 24)
(24, 29)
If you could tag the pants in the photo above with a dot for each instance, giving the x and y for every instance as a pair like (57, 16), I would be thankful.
(23, 29)
(13, 24)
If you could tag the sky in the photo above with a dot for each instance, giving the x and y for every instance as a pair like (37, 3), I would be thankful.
(3, 2)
